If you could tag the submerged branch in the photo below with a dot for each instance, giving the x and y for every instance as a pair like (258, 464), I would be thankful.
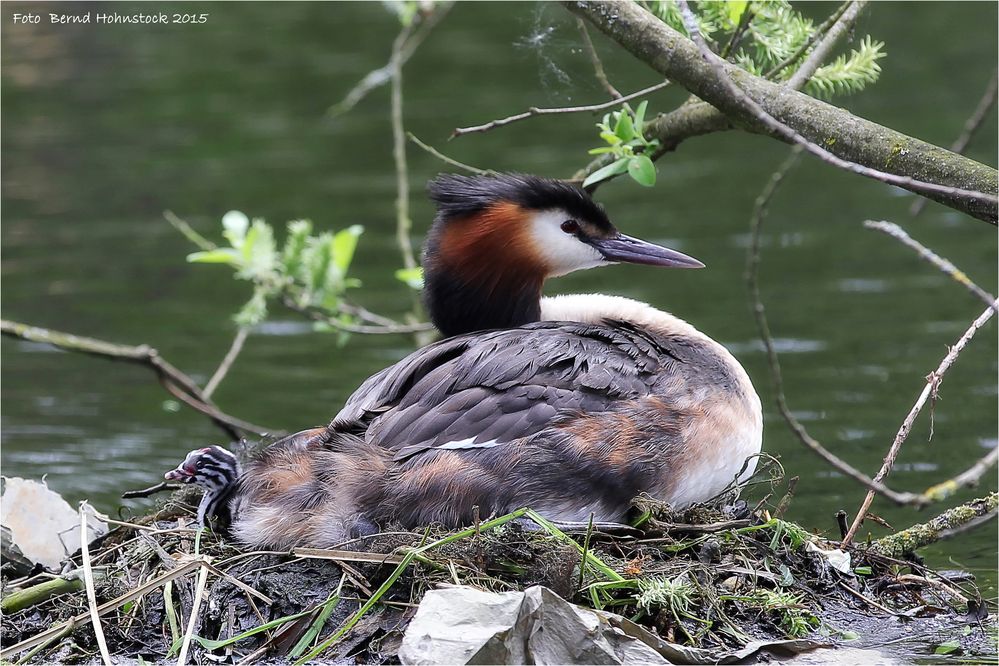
(755, 104)
(172, 379)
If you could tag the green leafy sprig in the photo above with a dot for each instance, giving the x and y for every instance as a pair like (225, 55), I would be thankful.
(623, 133)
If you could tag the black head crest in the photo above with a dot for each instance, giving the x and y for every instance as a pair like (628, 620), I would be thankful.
(458, 195)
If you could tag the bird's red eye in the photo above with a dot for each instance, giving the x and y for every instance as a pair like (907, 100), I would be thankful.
(570, 226)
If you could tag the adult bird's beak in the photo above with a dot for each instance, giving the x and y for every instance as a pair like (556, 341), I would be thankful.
(626, 249)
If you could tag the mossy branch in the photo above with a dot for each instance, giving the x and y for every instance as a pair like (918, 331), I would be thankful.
(844, 135)
(907, 541)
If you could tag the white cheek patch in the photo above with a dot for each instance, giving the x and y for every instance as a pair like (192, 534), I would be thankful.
(563, 253)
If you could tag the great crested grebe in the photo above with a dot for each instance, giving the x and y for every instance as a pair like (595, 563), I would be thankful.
(571, 405)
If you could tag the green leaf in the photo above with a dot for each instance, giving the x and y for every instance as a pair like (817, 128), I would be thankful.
(220, 256)
(611, 138)
(624, 129)
(344, 244)
(600, 151)
(235, 225)
(947, 648)
(862, 571)
(411, 276)
(640, 117)
(735, 10)
(603, 173)
(642, 170)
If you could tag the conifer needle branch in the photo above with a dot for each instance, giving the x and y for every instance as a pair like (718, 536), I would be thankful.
(932, 257)
(789, 134)
(803, 49)
(535, 111)
(760, 210)
(825, 46)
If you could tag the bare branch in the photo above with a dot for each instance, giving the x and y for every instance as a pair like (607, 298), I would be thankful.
(932, 385)
(926, 254)
(227, 361)
(598, 67)
(379, 77)
(752, 278)
(853, 143)
(535, 111)
(444, 158)
(965, 479)
(403, 223)
(380, 329)
(172, 379)
(971, 126)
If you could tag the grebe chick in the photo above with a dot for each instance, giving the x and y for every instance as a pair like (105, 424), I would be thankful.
(571, 405)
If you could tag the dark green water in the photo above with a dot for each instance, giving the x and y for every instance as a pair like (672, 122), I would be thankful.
(105, 127)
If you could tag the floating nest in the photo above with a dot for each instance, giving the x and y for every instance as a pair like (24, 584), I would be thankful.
(705, 577)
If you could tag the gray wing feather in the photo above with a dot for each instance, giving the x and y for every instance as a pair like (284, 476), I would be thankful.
(491, 388)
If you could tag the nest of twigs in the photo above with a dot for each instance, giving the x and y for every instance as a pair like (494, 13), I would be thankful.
(704, 577)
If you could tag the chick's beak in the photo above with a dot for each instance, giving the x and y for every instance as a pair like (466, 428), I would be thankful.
(626, 249)
(182, 474)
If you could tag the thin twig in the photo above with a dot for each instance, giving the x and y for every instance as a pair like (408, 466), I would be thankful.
(740, 30)
(535, 111)
(188, 232)
(760, 210)
(598, 67)
(926, 254)
(173, 380)
(791, 135)
(320, 316)
(841, 26)
(970, 128)
(88, 577)
(379, 77)
(932, 385)
(932, 582)
(151, 490)
(230, 357)
(447, 160)
(866, 599)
